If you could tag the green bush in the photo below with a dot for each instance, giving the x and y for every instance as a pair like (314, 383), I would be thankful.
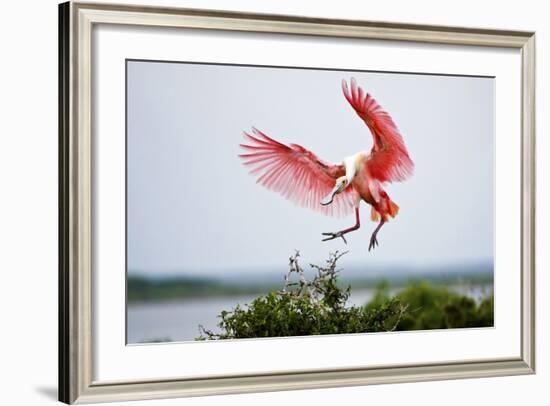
(437, 308)
(319, 306)
(305, 307)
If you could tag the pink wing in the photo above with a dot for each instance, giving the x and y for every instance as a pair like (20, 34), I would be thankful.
(389, 160)
(298, 174)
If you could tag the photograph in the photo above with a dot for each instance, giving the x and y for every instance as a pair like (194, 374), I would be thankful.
(281, 201)
(270, 202)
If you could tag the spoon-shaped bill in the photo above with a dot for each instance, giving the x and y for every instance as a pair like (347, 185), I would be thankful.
(330, 197)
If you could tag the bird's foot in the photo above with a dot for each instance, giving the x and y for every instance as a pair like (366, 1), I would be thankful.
(373, 241)
(332, 236)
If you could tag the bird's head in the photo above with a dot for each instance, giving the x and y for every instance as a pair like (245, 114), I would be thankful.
(341, 183)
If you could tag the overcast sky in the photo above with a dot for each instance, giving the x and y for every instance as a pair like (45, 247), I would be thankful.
(193, 208)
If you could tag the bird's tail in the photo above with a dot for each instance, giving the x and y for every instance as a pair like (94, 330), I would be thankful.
(391, 210)
(394, 209)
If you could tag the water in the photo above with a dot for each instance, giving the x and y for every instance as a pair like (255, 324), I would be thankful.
(180, 320)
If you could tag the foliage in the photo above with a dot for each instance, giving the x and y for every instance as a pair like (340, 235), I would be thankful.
(305, 307)
(146, 288)
(319, 306)
(438, 308)
(143, 289)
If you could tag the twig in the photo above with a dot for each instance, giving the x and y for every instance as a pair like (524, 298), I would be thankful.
(402, 310)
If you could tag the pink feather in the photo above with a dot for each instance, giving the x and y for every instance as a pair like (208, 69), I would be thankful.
(296, 173)
(389, 159)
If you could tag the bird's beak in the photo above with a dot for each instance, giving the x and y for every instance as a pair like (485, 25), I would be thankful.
(328, 198)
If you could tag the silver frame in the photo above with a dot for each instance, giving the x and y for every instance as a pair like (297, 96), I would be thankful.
(76, 21)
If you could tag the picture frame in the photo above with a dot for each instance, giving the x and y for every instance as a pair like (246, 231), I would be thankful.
(77, 349)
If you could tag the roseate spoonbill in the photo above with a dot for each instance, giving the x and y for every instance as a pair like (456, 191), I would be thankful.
(336, 189)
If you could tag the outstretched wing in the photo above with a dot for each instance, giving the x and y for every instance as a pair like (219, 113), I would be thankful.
(296, 173)
(389, 160)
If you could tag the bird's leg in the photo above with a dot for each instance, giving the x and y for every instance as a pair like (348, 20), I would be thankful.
(341, 233)
(373, 240)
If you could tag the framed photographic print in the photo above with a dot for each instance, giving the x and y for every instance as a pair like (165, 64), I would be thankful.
(263, 202)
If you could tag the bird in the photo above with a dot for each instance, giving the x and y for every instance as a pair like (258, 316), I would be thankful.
(336, 189)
